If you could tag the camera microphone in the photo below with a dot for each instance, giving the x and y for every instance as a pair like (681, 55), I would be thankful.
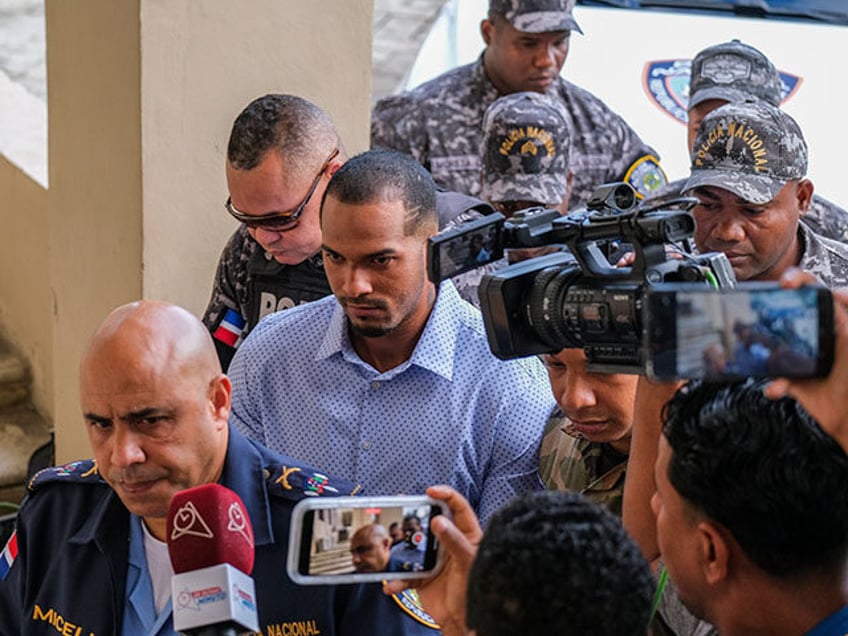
(210, 542)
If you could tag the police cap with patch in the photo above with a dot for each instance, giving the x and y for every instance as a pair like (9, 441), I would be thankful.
(734, 72)
(525, 149)
(750, 149)
(537, 16)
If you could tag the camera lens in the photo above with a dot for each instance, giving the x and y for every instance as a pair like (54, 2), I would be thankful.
(546, 306)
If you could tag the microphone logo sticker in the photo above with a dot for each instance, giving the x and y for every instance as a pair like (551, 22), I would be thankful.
(186, 600)
(188, 521)
(238, 522)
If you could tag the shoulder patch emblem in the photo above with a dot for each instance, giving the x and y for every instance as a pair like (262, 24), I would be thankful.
(409, 602)
(283, 479)
(317, 484)
(295, 482)
(84, 470)
(646, 176)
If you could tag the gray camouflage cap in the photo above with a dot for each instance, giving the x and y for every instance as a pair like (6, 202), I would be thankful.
(537, 16)
(750, 149)
(734, 72)
(525, 149)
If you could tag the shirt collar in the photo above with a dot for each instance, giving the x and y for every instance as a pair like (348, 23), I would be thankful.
(813, 251)
(434, 350)
(140, 604)
(488, 92)
(833, 625)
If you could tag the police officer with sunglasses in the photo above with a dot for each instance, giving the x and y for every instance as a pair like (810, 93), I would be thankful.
(281, 154)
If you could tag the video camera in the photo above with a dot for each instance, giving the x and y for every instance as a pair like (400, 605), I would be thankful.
(577, 298)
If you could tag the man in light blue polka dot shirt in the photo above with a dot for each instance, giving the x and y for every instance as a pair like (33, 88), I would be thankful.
(390, 382)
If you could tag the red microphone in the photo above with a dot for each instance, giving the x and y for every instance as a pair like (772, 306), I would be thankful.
(208, 525)
(210, 542)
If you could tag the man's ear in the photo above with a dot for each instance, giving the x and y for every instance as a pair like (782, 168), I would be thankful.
(333, 168)
(713, 552)
(487, 29)
(804, 193)
(220, 392)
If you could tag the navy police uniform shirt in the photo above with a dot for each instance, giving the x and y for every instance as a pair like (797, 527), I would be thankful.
(72, 541)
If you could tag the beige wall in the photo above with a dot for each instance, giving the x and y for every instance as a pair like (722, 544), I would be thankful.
(25, 298)
(94, 197)
(142, 94)
(202, 62)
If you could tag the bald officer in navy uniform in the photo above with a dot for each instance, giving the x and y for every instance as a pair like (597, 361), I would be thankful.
(90, 555)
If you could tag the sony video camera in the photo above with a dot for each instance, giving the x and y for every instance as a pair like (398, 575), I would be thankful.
(576, 297)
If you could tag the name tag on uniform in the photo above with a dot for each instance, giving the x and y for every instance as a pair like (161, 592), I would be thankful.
(454, 164)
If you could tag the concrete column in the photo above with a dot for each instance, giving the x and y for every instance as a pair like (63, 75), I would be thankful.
(141, 97)
(94, 201)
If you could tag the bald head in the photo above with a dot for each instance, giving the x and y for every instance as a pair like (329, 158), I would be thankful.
(371, 531)
(155, 333)
(369, 548)
(156, 406)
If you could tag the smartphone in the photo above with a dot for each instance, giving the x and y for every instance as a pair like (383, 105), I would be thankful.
(754, 330)
(465, 247)
(336, 540)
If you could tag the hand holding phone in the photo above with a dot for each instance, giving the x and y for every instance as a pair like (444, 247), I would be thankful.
(825, 399)
(459, 533)
(336, 540)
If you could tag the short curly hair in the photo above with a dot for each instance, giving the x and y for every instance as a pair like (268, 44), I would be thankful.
(764, 470)
(556, 563)
(386, 175)
(292, 126)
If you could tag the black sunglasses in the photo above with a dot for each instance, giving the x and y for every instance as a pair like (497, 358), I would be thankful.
(279, 221)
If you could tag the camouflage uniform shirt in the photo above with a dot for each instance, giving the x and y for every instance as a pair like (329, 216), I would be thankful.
(570, 462)
(250, 285)
(440, 124)
(825, 258)
(824, 217)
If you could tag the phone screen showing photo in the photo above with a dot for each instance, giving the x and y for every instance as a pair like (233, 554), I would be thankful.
(366, 540)
(768, 332)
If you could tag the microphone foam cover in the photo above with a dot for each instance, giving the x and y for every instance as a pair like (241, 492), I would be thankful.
(208, 525)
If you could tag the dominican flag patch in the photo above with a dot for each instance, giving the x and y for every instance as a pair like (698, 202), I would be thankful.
(8, 556)
(230, 329)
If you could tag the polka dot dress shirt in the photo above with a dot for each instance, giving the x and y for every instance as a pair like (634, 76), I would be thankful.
(453, 413)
